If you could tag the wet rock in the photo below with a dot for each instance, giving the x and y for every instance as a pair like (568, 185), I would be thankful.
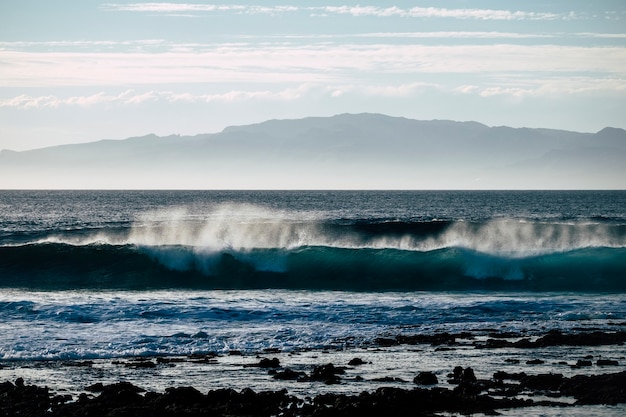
(269, 363)
(455, 376)
(501, 375)
(180, 398)
(23, 400)
(386, 342)
(426, 378)
(97, 387)
(327, 373)
(141, 364)
(169, 361)
(388, 379)
(543, 382)
(467, 382)
(535, 362)
(208, 358)
(86, 364)
(289, 375)
(607, 362)
(356, 362)
(597, 389)
(583, 362)
(596, 338)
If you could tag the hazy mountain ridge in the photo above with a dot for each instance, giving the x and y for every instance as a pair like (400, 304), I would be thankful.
(343, 151)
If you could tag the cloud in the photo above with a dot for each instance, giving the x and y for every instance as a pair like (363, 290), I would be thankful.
(50, 101)
(553, 87)
(354, 11)
(132, 97)
(435, 12)
(323, 63)
(539, 88)
(455, 35)
(179, 9)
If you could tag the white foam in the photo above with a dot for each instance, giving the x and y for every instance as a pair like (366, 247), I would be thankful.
(243, 228)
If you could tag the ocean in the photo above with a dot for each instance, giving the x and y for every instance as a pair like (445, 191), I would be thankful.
(106, 277)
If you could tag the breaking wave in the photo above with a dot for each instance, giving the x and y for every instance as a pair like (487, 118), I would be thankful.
(259, 248)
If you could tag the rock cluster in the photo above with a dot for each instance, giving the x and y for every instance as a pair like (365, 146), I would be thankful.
(470, 395)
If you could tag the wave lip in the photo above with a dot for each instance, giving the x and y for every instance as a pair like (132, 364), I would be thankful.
(62, 266)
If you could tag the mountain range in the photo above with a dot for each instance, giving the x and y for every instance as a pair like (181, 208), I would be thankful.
(347, 151)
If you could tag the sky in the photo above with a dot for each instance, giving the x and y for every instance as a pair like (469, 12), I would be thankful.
(84, 70)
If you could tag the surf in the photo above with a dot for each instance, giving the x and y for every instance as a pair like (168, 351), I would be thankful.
(246, 246)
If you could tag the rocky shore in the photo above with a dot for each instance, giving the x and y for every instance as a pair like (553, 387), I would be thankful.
(457, 389)
(470, 395)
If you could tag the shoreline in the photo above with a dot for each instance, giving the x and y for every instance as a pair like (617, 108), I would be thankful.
(469, 396)
(463, 373)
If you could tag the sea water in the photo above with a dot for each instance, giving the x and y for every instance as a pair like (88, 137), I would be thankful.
(102, 275)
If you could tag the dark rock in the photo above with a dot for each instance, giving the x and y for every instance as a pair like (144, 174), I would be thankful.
(596, 338)
(426, 378)
(607, 362)
(543, 382)
(597, 389)
(505, 335)
(23, 400)
(269, 363)
(455, 376)
(97, 387)
(288, 375)
(386, 342)
(467, 382)
(6, 387)
(123, 400)
(183, 396)
(327, 373)
(86, 364)
(500, 375)
(356, 362)
(142, 364)
(583, 362)
(169, 361)
(388, 379)
(535, 362)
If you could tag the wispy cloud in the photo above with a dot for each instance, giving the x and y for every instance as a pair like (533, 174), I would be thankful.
(313, 63)
(539, 88)
(131, 97)
(554, 87)
(436, 12)
(455, 35)
(355, 11)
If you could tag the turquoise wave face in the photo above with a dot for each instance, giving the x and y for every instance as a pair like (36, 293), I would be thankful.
(63, 266)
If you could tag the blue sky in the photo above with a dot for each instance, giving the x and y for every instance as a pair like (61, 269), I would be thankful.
(84, 70)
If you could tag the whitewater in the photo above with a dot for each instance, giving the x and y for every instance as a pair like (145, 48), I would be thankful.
(102, 276)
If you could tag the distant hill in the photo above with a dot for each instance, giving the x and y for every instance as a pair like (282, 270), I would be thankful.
(364, 151)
